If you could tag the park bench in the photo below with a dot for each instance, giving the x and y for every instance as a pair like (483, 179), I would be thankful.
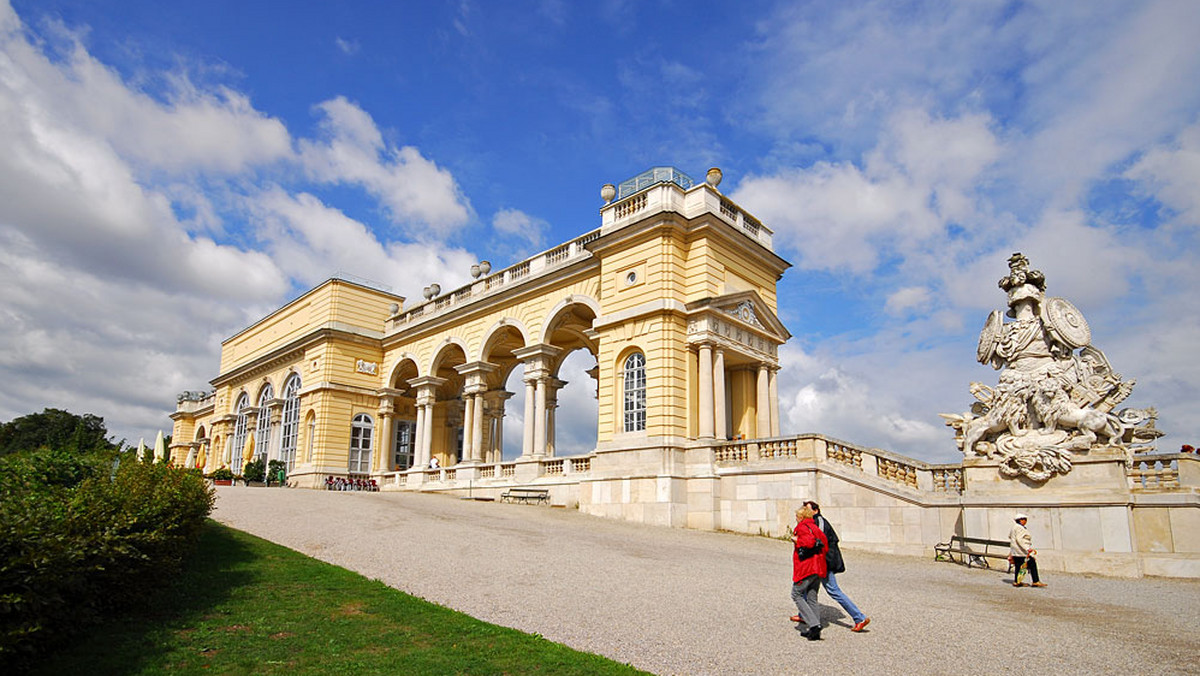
(971, 551)
(525, 495)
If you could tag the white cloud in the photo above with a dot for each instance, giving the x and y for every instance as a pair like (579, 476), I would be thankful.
(311, 241)
(1171, 174)
(347, 47)
(918, 180)
(123, 252)
(353, 151)
(907, 298)
(518, 224)
(192, 130)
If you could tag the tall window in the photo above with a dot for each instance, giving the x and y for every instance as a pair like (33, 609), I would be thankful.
(360, 444)
(262, 433)
(239, 434)
(635, 393)
(402, 445)
(290, 424)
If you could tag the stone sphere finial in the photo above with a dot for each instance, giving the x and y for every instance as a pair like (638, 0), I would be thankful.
(485, 267)
(475, 272)
(607, 192)
(713, 177)
(435, 289)
(427, 292)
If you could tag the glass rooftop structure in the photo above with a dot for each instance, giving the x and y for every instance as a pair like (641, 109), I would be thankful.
(652, 176)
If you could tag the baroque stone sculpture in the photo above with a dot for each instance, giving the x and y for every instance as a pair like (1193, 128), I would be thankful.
(1056, 393)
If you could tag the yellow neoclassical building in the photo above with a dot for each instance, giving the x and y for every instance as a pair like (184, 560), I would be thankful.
(672, 300)
(673, 297)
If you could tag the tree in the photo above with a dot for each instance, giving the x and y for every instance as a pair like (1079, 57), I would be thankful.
(55, 428)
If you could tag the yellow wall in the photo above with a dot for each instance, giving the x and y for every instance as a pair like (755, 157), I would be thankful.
(338, 324)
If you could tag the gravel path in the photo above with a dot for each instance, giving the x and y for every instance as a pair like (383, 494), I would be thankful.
(674, 601)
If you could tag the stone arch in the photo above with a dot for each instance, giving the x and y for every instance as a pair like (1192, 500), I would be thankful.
(500, 341)
(445, 351)
(449, 405)
(561, 310)
(406, 368)
(200, 434)
(262, 386)
(571, 398)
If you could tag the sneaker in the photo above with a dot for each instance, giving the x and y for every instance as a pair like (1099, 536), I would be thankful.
(1018, 584)
(1038, 584)
(859, 626)
(813, 634)
(796, 618)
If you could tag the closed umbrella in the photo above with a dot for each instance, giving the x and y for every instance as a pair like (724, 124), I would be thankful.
(191, 458)
(249, 454)
(141, 451)
(160, 448)
(203, 459)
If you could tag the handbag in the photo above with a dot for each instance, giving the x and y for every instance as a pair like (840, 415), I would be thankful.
(809, 552)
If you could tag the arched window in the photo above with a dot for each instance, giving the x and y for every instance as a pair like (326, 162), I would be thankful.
(290, 423)
(262, 433)
(360, 444)
(239, 434)
(635, 393)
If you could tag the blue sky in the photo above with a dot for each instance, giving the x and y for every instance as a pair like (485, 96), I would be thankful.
(173, 171)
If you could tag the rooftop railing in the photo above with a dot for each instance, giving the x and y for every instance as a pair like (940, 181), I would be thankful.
(542, 263)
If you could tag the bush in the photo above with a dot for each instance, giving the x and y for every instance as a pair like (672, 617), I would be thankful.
(223, 473)
(254, 470)
(275, 468)
(81, 537)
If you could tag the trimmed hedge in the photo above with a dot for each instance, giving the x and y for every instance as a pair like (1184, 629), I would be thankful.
(81, 536)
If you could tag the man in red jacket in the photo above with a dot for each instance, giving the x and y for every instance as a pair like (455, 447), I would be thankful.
(808, 568)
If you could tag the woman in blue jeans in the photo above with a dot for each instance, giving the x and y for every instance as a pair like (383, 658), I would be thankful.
(836, 565)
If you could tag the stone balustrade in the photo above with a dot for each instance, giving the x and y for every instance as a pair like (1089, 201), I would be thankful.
(542, 263)
(1155, 472)
(1122, 519)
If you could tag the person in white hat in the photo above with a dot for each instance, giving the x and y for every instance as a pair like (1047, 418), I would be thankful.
(1022, 553)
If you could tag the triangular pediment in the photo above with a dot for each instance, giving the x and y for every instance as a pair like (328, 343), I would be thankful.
(746, 308)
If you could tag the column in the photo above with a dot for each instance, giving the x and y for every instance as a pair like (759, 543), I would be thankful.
(419, 437)
(719, 429)
(539, 419)
(706, 392)
(762, 404)
(773, 389)
(498, 439)
(477, 429)
(383, 456)
(551, 407)
(274, 448)
(530, 405)
(427, 442)
(468, 427)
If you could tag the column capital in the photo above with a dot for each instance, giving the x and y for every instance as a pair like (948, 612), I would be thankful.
(537, 357)
(427, 386)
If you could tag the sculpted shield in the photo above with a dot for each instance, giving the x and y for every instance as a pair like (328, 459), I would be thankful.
(988, 337)
(1066, 322)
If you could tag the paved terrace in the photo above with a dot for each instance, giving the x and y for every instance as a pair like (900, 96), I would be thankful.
(685, 602)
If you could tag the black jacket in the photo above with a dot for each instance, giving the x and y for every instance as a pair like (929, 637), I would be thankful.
(833, 555)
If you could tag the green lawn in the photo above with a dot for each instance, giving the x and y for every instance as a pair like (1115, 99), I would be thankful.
(244, 605)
